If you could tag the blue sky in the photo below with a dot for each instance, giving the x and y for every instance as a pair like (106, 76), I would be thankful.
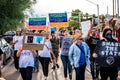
(43, 7)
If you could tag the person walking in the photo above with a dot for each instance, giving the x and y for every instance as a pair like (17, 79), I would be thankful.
(55, 41)
(66, 42)
(26, 62)
(45, 57)
(92, 40)
(108, 71)
(17, 41)
(78, 55)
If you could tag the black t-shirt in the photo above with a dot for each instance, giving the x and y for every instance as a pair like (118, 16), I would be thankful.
(55, 44)
(92, 42)
(113, 40)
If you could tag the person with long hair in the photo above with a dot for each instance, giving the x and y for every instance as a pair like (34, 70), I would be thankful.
(17, 41)
(45, 56)
(66, 42)
(92, 40)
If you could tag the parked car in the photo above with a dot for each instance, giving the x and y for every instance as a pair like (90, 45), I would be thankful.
(7, 50)
(10, 33)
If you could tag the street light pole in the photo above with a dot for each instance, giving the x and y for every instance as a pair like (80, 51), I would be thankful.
(98, 18)
(97, 13)
(80, 20)
(113, 7)
(118, 8)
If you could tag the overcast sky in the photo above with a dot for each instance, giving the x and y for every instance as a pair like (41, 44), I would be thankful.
(43, 7)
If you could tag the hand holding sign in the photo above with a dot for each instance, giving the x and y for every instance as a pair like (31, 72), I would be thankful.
(108, 54)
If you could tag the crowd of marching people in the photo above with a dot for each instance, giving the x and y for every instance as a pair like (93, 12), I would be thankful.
(73, 50)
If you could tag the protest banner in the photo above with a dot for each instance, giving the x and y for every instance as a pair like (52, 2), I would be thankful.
(58, 19)
(66, 43)
(108, 54)
(37, 23)
(33, 41)
(85, 27)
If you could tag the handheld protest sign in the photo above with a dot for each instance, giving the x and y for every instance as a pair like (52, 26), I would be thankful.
(37, 23)
(58, 19)
(33, 41)
(108, 54)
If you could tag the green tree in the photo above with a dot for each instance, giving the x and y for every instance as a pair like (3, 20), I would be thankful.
(94, 16)
(12, 13)
(102, 17)
(75, 18)
(86, 15)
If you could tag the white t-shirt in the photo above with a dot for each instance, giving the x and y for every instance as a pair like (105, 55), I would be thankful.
(45, 52)
(19, 43)
(26, 59)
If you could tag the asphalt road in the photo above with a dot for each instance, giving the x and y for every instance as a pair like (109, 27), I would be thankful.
(10, 73)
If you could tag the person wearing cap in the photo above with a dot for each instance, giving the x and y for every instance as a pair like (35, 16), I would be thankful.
(107, 71)
(78, 55)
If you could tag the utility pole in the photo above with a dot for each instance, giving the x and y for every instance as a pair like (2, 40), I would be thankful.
(107, 11)
(113, 7)
(117, 8)
(97, 14)
(79, 15)
(98, 18)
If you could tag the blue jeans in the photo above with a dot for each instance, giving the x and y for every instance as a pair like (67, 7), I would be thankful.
(66, 64)
(80, 72)
(36, 61)
(26, 73)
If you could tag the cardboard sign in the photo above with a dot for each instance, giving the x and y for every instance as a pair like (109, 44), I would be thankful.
(33, 41)
(37, 23)
(58, 19)
(66, 43)
(108, 54)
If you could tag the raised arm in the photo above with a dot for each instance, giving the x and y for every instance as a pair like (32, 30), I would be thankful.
(19, 51)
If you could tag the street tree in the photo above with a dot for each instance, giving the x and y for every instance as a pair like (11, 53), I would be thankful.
(75, 18)
(12, 13)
